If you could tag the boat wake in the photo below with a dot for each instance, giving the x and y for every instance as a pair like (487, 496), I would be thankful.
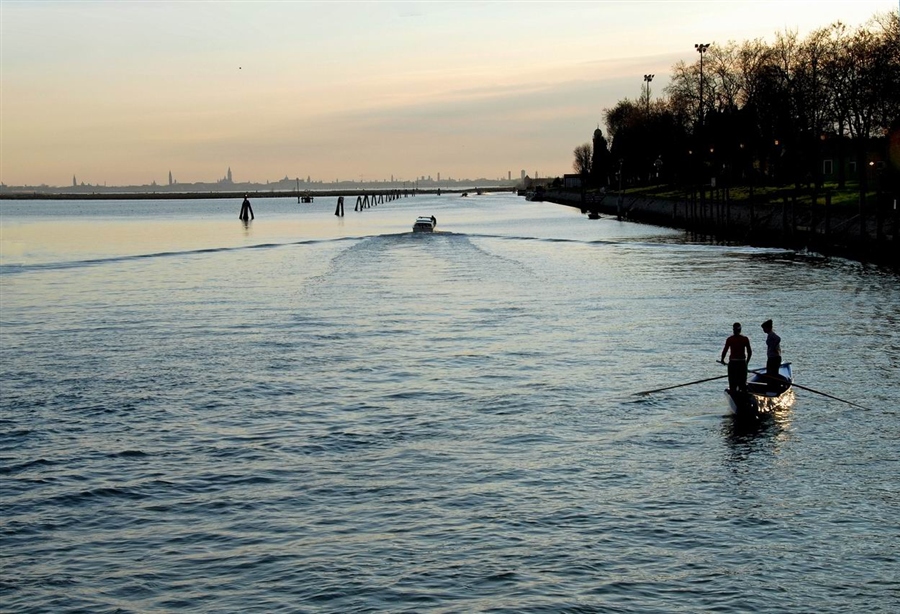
(12, 269)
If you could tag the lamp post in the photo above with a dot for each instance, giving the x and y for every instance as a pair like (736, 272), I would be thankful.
(647, 80)
(621, 196)
(701, 49)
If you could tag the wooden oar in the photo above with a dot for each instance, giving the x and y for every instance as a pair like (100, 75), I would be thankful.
(824, 394)
(699, 381)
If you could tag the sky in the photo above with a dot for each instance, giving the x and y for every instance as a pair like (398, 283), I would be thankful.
(123, 92)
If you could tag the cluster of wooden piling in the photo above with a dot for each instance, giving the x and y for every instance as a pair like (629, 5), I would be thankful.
(367, 201)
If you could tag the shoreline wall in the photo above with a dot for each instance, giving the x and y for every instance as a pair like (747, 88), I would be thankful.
(831, 231)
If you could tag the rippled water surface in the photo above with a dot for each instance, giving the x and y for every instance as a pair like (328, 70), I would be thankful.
(311, 413)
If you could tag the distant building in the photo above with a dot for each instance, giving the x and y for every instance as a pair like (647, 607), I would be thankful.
(228, 176)
(74, 183)
(170, 178)
(571, 181)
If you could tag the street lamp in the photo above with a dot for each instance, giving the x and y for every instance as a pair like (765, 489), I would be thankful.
(701, 49)
(648, 79)
(619, 202)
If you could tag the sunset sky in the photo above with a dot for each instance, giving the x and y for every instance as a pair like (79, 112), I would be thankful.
(124, 92)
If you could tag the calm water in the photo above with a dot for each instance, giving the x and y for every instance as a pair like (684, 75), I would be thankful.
(313, 414)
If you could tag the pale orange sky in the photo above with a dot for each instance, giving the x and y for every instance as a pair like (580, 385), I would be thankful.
(123, 92)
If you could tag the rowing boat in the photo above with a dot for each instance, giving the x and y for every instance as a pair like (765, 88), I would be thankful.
(765, 394)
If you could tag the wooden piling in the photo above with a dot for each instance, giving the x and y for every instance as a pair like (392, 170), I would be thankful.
(879, 228)
(794, 215)
(750, 200)
(784, 217)
(862, 217)
(896, 234)
(813, 219)
(727, 214)
(693, 214)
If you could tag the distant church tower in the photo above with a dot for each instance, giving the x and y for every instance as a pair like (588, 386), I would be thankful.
(228, 176)
(74, 183)
(170, 177)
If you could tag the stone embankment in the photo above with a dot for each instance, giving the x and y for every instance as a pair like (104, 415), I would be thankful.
(873, 236)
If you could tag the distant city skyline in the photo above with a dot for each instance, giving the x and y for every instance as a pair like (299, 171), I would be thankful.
(228, 179)
(124, 93)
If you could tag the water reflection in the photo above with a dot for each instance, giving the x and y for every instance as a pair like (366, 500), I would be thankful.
(746, 435)
(246, 224)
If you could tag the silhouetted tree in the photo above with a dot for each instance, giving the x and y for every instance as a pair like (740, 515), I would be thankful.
(583, 160)
(770, 111)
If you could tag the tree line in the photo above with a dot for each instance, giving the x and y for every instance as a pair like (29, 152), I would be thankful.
(757, 113)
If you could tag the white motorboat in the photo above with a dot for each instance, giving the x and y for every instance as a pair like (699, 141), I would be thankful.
(425, 224)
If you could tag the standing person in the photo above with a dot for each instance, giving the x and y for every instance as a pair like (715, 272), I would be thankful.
(773, 351)
(737, 362)
(246, 210)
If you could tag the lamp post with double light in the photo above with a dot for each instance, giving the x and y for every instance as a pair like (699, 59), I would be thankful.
(647, 80)
(701, 49)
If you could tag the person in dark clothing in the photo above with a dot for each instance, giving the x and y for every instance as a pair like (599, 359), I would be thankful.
(739, 345)
(773, 351)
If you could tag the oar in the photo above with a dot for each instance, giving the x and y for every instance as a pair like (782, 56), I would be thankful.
(824, 394)
(699, 381)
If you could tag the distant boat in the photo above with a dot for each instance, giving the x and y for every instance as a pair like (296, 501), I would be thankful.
(764, 394)
(464, 194)
(425, 224)
(536, 195)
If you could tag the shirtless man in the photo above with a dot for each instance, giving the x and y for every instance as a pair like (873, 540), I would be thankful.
(740, 356)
